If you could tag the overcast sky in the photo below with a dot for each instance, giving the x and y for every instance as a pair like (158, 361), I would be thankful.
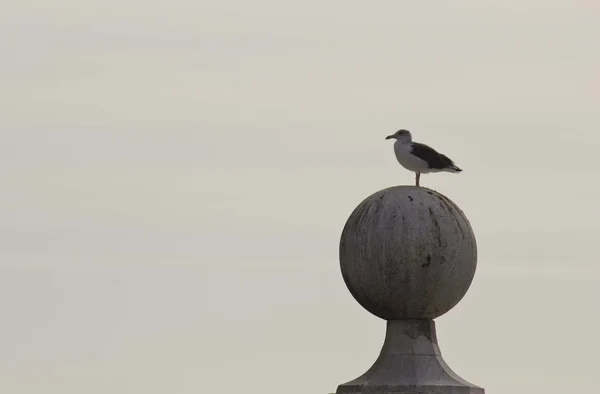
(176, 174)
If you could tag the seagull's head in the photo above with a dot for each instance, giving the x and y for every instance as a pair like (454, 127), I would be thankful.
(401, 135)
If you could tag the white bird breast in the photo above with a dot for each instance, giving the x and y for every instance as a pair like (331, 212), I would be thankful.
(408, 160)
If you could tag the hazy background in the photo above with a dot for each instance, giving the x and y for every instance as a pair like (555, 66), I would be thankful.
(175, 176)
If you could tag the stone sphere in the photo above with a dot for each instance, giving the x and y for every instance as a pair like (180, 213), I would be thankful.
(408, 252)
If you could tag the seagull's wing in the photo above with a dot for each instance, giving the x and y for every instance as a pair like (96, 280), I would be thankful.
(433, 158)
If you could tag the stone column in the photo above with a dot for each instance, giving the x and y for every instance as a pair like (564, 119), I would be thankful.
(408, 255)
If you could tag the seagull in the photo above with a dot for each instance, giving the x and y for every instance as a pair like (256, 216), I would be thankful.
(419, 158)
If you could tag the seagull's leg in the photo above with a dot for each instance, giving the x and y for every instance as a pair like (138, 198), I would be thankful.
(418, 176)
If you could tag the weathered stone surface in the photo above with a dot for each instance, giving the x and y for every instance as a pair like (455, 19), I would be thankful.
(408, 255)
(408, 252)
(409, 363)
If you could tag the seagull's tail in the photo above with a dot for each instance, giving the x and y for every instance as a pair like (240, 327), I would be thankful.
(455, 168)
(452, 168)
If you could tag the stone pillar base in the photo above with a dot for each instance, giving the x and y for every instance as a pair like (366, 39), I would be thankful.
(410, 362)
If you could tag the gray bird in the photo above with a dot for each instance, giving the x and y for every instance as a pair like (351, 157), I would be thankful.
(419, 158)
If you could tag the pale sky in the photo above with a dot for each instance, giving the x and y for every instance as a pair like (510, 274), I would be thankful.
(176, 175)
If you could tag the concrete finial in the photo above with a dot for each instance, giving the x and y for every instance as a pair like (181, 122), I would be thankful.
(408, 255)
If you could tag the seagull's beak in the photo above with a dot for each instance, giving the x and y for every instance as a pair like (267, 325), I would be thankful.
(389, 137)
